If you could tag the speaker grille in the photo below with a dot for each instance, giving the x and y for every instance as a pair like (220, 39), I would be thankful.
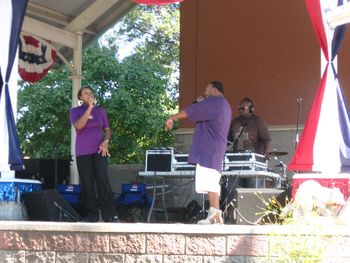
(49, 205)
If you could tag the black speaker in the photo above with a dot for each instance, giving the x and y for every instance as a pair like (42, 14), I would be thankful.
(49, 205)
(49, 171)
(249, 206)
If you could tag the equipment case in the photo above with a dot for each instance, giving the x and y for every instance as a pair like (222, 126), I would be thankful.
(244, 161)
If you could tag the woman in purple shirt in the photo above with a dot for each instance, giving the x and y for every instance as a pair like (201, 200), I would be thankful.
(91, 149)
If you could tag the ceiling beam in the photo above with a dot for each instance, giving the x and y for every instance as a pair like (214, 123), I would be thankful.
(48, 32)
(54, 17)
(90, 14)
(119, 12)
(35, 10)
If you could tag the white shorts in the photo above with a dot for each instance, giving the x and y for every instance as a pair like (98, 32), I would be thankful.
(207, 180)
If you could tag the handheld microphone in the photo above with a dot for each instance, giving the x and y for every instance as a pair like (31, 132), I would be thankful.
(93, 100)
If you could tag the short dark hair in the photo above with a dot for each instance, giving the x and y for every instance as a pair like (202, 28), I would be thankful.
(218, 85)
(85, 87)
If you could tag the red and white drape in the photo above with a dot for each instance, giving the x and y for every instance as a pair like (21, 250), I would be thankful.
(325, 142)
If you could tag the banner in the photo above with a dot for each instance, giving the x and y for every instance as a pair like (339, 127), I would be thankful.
(35, 58)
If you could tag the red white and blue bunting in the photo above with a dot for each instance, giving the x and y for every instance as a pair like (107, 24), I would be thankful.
(35, 58)
(325, 142)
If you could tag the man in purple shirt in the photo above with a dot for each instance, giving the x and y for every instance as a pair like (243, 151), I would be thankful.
(212, 115)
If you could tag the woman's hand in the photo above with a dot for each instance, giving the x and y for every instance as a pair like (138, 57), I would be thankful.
(92, 102)
(104, 148)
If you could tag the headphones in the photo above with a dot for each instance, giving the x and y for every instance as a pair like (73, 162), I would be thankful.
(251, 106)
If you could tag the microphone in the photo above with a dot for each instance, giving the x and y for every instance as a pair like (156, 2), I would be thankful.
(93, 100)
(199, 99)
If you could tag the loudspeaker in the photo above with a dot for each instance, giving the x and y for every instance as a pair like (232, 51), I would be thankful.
(249, 204)
(49, 171)
(49, 205)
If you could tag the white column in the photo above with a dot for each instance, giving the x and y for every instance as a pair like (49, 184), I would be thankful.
(76, 84)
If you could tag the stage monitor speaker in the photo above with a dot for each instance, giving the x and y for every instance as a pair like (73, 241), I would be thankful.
(49, 205)
(249, 204)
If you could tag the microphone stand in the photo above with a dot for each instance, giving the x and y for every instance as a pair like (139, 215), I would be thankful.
(55, 152)
(235, 141)
(299, 100)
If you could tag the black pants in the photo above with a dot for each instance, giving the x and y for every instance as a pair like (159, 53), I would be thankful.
(96, 193)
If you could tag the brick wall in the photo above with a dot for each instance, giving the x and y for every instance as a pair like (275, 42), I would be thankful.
(164, 243)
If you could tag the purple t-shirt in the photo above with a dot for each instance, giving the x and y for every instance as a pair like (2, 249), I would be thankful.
(90, 137)
(212, 117)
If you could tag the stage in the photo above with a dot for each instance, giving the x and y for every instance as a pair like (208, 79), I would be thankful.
(26, 241)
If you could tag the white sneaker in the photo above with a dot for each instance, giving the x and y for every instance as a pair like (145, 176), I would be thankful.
(214, 217)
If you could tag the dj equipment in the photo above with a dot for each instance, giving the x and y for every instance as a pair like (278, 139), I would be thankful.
(244, 161)
(159, 160)
(276, 153)
(180, 163)
(164, 160)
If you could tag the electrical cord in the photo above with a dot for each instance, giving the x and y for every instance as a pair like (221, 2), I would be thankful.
(175, 187)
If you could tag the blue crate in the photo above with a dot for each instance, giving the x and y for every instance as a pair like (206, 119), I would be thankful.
(70, 192)
(69, 188)
(133, 199)
(134, 188)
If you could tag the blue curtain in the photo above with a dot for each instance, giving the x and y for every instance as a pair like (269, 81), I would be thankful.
(11, 143)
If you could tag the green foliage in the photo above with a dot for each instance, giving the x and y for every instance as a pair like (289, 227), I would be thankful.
(298, 247)
(295, 245)
(274, 212)
(138, 91)
(155, 32)
(43, 124)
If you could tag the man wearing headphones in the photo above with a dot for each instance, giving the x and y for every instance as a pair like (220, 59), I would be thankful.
(249, 132)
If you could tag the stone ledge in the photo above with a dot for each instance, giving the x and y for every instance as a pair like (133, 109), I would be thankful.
(341, 230)
(140, 242)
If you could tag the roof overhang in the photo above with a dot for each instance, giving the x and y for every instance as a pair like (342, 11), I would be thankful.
(59, 21)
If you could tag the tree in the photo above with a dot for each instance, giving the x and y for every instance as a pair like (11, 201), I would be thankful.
(155, 32)
(43, 125)
(137, 91)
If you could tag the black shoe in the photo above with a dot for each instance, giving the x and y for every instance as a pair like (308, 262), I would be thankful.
(114, 219)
